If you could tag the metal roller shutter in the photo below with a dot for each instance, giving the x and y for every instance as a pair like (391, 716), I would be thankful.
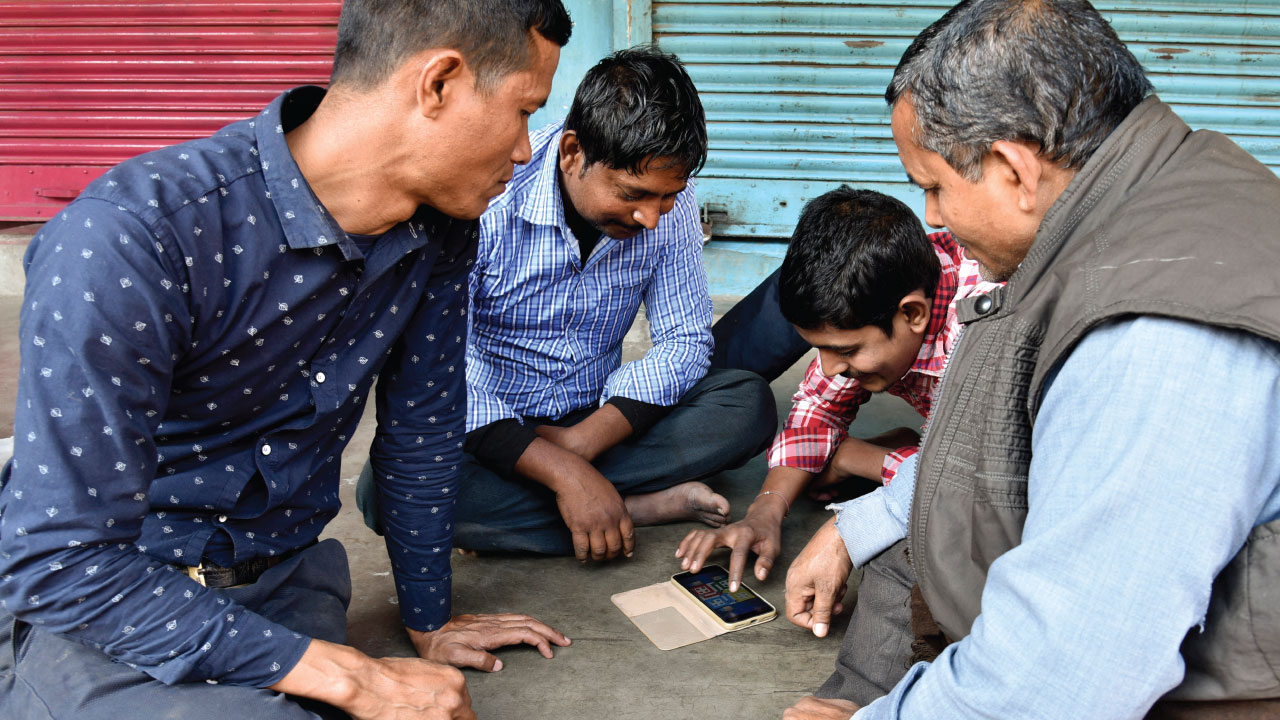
(84, 85)
(794, 90)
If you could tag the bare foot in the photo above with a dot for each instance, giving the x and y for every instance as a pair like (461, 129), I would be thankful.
(686, 501)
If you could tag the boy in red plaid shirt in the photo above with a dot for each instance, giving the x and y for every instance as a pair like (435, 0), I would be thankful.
(864, 285)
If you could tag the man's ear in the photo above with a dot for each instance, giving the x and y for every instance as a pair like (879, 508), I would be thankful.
(572, 161)
(441, 72)
(1022, 164)
(916, 307)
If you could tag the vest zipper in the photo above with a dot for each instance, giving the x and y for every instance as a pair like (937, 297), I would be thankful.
(916, 521)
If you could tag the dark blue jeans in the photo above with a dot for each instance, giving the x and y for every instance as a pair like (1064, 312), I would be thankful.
(755, 336)
(44, 676)
(723, 421)
(720, 423)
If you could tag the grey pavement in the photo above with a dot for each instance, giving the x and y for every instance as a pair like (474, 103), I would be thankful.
(611, 670)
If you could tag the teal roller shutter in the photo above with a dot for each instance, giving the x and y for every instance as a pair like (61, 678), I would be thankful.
(794, 90)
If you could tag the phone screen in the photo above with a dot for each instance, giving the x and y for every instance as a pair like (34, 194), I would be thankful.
(711, 586)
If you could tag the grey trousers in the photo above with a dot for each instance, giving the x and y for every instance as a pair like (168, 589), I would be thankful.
(45, 676)
(876, 652)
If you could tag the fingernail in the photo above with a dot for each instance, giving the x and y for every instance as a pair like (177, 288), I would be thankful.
(760, 574)
(497, 666)
(733, 587)
(820, 629)
(630, 554)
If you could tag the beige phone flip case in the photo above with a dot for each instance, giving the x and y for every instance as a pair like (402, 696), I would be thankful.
(667, 616)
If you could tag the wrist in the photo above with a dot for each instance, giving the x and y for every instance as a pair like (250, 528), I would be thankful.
(833, 543)
(326, 672)
(770, 506)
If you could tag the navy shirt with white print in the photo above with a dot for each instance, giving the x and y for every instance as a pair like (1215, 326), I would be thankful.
(198, 337)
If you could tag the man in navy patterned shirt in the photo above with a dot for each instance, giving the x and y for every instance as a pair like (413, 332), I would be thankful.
(567, 447)
(200, 330)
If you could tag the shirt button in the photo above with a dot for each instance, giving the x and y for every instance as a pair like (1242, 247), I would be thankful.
(222, 518)
(319, 377)
(266, 449)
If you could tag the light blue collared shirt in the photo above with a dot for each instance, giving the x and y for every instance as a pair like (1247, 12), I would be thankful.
(547, 326)
(1154, 456)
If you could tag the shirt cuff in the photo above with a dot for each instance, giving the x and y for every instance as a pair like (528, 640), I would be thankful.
(499, 445)
(425, 604)
(870, 524)
(641, 415)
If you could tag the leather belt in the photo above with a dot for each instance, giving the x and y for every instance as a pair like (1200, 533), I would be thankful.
(213, 576)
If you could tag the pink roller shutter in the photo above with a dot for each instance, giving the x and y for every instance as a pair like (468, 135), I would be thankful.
(84, 85)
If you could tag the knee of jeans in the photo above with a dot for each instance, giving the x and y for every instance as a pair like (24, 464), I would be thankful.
(758, 412)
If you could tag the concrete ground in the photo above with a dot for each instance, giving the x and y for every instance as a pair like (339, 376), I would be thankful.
(611, 670)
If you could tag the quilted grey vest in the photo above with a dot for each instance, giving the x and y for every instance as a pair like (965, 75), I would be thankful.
(1160, 221)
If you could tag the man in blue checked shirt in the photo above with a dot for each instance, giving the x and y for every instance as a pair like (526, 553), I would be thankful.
(568, 449)
(199, 333)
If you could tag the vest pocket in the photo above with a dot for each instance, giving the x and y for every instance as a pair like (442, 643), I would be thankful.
(998, 512)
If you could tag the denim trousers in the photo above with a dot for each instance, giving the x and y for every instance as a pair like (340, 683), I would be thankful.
(45, 676)
(723, 421)
(755, 336)
(720, 423)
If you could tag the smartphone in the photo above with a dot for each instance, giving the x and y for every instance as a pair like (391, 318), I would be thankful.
(710, 588)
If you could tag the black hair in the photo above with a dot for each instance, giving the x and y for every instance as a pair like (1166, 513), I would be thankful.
(376, 36)
(638, 105)
(1052, 72)
(853, 257)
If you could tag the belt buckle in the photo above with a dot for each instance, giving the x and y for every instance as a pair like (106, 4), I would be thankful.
(196, 572)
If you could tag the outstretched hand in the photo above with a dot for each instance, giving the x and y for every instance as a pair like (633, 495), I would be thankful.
(755, 533)
(465, 641)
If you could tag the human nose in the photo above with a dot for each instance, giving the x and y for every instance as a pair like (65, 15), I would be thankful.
(832, 364)
(648, 214)
(932, 215)
(522, 152)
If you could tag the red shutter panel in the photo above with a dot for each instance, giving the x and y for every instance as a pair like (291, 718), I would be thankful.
(84, 85)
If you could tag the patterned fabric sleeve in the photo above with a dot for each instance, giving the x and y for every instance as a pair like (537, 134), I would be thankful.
(821, 412)
(422, 409)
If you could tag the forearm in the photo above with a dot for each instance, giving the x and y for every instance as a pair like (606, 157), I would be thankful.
(552, 466)
(597, 433)
(857, 458)
(325, 672)
(366, 687)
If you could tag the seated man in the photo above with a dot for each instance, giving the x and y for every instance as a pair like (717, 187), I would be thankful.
(567, 448)
(200, 330)
(1095, 531)
(863, 284)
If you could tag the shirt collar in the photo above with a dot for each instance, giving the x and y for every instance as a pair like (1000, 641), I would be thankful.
(306, 222)
(932, 359)
(539, 200)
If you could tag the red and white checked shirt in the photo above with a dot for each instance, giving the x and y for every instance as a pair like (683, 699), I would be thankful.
(823, 408)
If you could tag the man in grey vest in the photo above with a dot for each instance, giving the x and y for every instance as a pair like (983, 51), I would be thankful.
(1094, 526)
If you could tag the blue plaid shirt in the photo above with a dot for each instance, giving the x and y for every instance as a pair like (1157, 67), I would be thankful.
(198, 337)
(547, 328)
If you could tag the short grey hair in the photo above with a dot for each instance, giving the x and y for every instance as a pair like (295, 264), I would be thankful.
(1051, 72)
